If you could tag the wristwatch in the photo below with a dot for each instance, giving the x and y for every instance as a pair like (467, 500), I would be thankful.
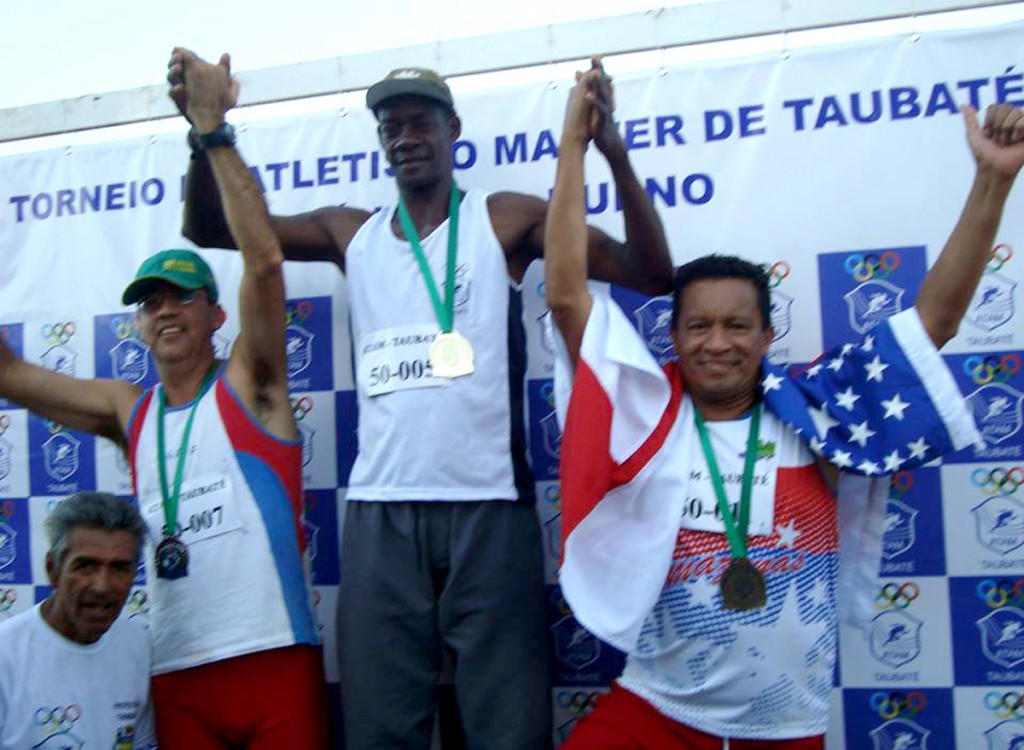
(224, 135)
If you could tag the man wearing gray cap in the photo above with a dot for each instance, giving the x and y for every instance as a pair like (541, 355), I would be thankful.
(441, 547)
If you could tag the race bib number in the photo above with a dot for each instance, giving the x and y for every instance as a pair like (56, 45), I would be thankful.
(395, 359)
(700, 509)
(206, 508)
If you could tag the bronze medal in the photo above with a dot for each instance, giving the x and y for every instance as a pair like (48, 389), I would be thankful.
(451, 355)
(742, 586)
(171, 558)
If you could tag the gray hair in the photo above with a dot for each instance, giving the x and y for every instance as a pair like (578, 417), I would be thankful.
(91, 510)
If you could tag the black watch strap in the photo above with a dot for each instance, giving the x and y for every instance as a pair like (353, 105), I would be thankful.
(224, 135)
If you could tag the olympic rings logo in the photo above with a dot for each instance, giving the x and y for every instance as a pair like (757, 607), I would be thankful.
(865, 267)
(891, 705)
(578, 703)
(998, 480)
(998, 257)
(54, 427)
(58, 719)
(901, 483)
(58, 333)
(999, 593)
(897, 596)
(1005, 705)
(298, 312)
(547, 392)
(984, 370)
(7, 599)
(777, 273)
(136, 601)
(301, 407)
(123, 327)
(7, 510)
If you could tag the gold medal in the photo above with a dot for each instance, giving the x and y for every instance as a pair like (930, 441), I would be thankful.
(451, 355)
(742, 586)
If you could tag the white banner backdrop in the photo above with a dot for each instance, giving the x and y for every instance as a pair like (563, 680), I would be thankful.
(844, 168)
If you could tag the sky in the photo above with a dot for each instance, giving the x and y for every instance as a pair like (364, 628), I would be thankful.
(65, 49)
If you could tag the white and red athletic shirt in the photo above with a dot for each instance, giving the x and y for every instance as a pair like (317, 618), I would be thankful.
(248, 583)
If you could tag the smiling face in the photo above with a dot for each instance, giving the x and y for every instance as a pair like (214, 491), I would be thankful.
(177, 323)
(90, 582)
(417, 135)
(720, 338)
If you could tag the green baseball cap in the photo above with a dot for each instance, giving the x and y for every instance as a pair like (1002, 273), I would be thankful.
(182, 268)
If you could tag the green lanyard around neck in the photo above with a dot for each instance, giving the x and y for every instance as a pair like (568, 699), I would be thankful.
(446, 310)
(735, 528)
(170, 496)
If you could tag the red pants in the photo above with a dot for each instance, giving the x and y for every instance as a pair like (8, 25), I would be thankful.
(622, 720)
(268, 700)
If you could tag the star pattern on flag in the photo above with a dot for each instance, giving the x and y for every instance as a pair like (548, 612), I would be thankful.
(861, 433)
(893, 462)
(772, 382)
(847, 399)
(823, 422)
(875, 368)
(894, 407)
(857, 406)
(919, 448)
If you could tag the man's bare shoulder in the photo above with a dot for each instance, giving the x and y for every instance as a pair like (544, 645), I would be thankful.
(515, 216)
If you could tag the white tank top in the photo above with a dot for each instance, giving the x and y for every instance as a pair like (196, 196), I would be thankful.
(420, 437)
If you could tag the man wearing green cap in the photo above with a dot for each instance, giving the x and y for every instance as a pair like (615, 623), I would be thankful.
(216, 466)
(441, 548)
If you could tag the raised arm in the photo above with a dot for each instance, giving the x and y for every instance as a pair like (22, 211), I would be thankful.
(642, 262)
(100, 407)
(565, 235)
(998, 150)
(322, 234)
(257, 366)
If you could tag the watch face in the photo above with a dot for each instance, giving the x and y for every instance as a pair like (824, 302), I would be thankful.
(222, 136)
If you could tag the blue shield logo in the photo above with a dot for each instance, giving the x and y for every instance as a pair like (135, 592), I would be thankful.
(871, 303)
(999, 524)
(5, 459)
(128, 360)
(60, 456)
(60, 359)
(312, 531)
(900, 734)
(895, 638)
(60, 741)
(1006, 735)
(781, 317)
(8, 550)
(299, 349)
(997, 411)
(1002, 636)
(900, 529)
(992, 305)
(575, 646)
(307, 434)
(552, 436)
(654, 321)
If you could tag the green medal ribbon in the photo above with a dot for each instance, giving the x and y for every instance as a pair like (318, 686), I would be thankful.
(170, 499)
(735, 528)
(446, 310)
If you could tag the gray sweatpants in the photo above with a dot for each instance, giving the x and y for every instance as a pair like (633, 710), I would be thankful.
(420, 577)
